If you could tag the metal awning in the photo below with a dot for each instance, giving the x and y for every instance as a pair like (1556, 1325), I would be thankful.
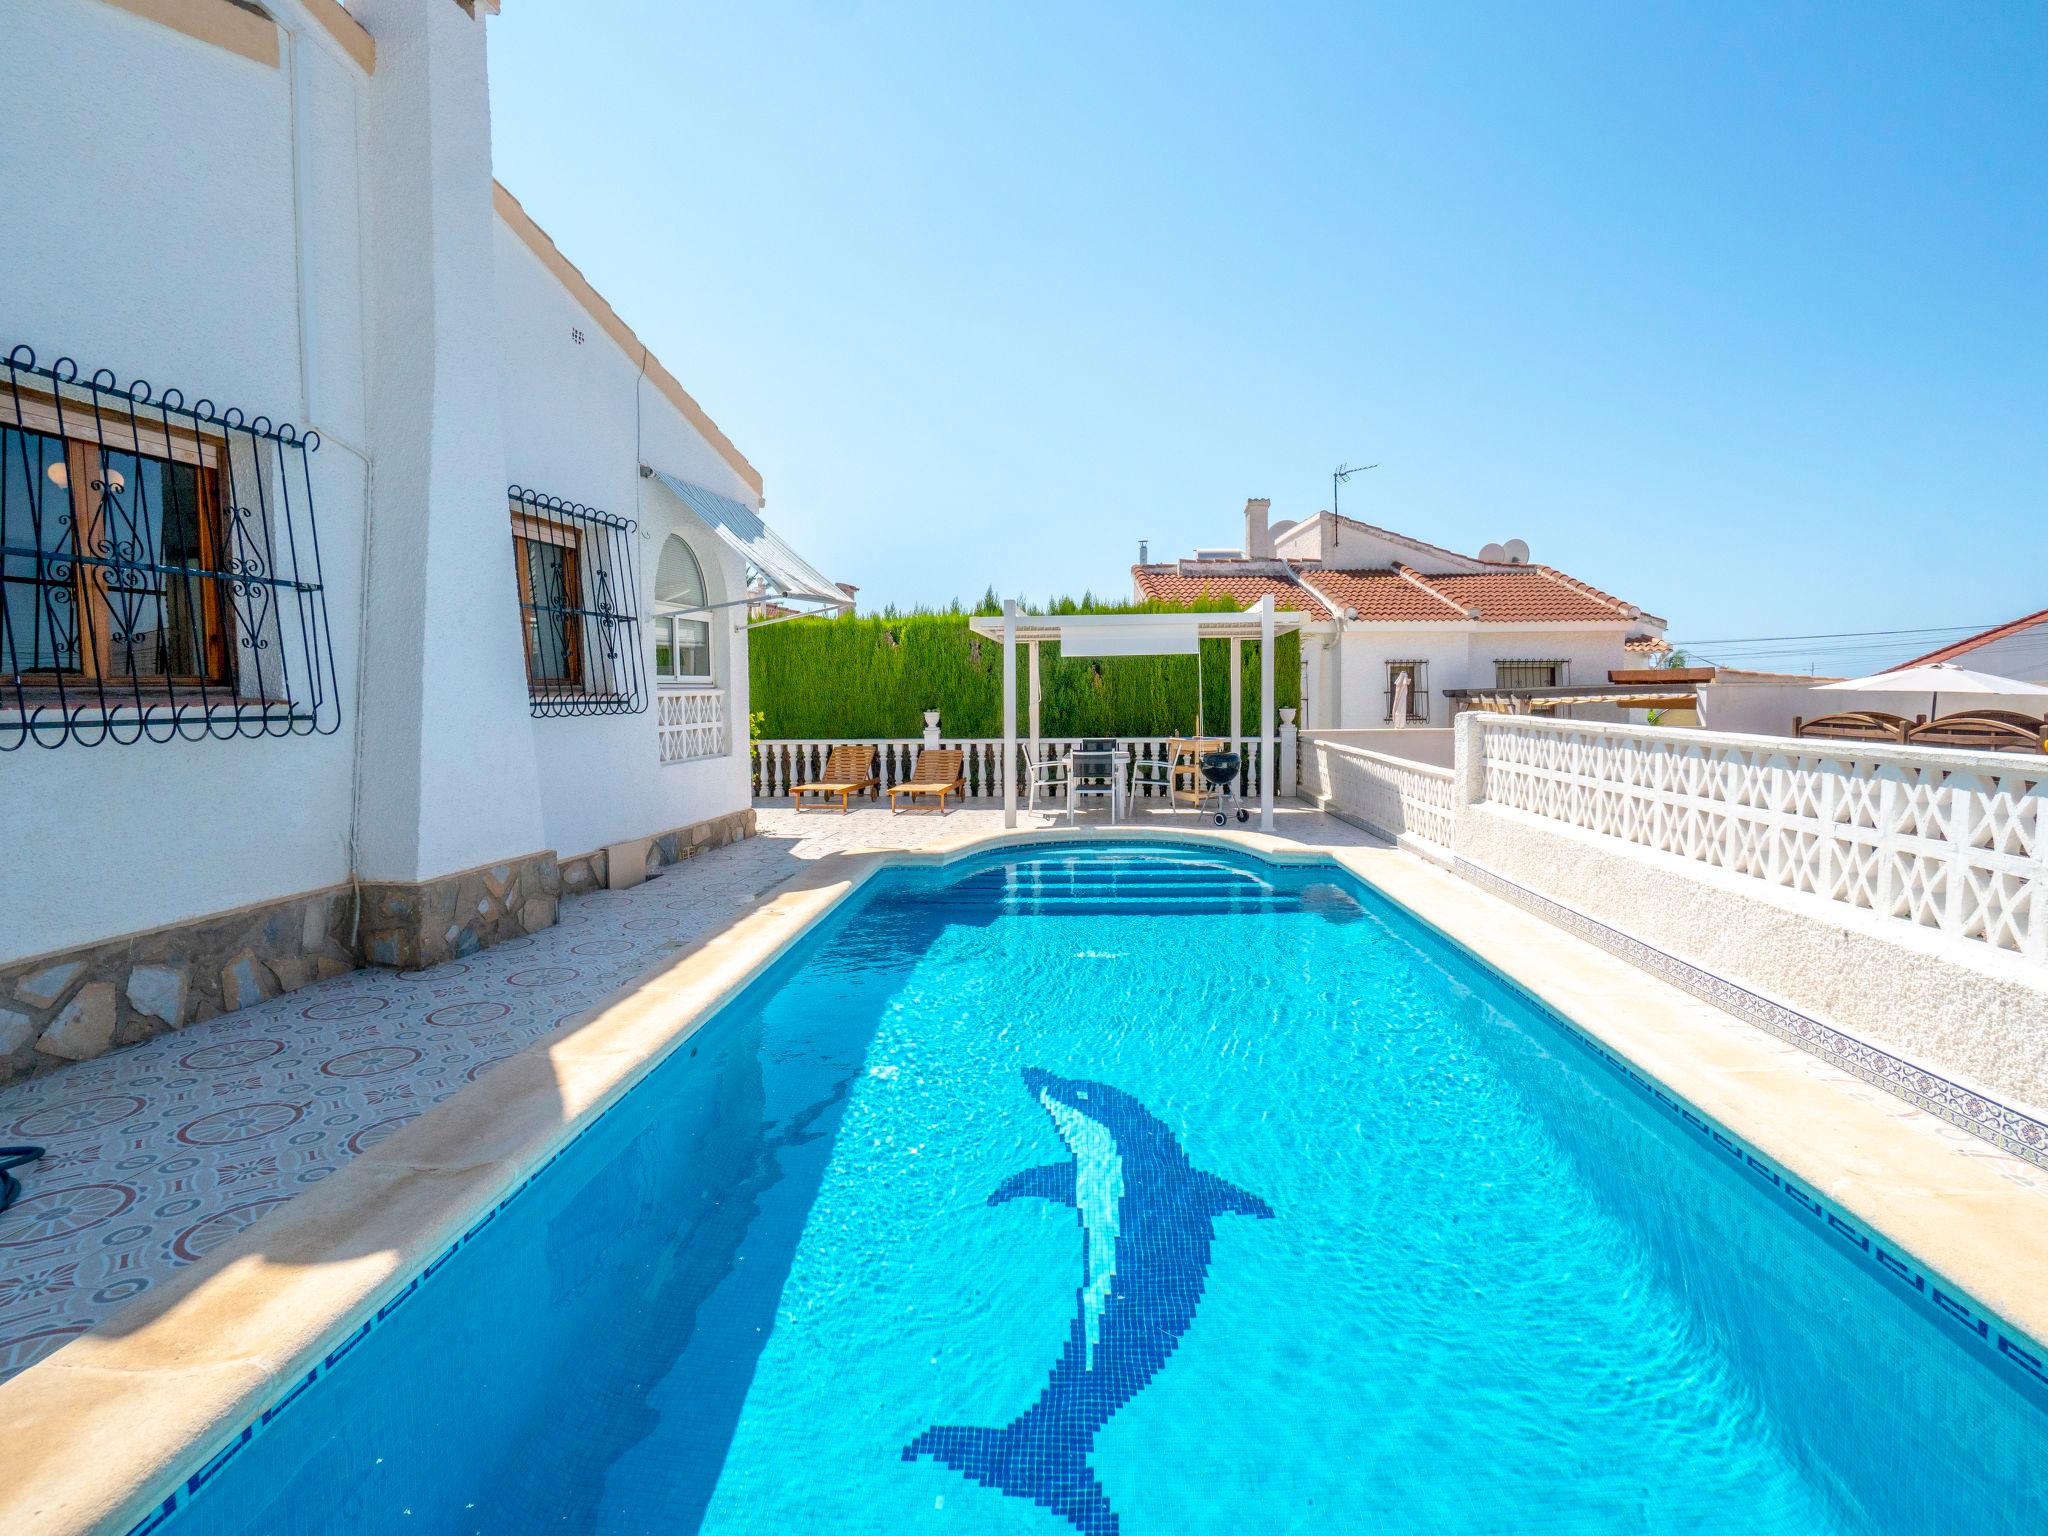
(791, 577)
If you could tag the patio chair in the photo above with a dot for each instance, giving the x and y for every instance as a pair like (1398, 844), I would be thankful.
(1091, 774)
(1048, 777)
(848, 770)
(940, 771)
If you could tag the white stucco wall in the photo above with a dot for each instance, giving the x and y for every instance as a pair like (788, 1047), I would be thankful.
(166, 248)
(275, 239)
(447, 778)
(1463, 656)
(579, 420)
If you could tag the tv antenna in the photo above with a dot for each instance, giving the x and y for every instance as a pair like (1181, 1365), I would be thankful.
(1342, 473)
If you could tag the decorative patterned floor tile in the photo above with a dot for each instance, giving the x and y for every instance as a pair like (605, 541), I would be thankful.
(163, 1151)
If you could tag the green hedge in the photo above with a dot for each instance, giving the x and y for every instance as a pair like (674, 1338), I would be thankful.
(827, 678)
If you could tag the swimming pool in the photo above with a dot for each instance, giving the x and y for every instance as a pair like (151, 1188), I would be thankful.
(1148, 1190)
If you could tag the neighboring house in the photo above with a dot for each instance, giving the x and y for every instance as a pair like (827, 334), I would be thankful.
(2016, 650)
(1382, 605)
(279, 700)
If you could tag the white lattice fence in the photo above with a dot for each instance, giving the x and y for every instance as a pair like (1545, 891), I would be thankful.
(780, 765)
(1394, 796)
(690, 723)
(1952, 841)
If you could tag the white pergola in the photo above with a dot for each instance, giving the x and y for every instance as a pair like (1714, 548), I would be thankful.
(1140, 634)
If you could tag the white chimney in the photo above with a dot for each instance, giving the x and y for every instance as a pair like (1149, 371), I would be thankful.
(1258, 532)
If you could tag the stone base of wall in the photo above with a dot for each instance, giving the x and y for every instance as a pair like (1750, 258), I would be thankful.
(405, 925)
(592, 872)
(85, 1002)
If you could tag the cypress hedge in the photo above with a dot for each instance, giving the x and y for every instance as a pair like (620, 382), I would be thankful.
(875, 676)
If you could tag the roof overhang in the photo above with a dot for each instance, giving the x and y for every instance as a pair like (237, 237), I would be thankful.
(790, 577)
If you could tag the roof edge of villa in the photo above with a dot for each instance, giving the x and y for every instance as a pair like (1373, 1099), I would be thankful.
(537, 240)
(1176, 580)
(1977, 641)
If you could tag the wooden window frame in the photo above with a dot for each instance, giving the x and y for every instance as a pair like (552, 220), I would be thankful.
(526, 530)
(38, 415)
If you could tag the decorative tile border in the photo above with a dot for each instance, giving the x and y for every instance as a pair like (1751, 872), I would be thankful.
(2008, 1129)
(2010, 1349)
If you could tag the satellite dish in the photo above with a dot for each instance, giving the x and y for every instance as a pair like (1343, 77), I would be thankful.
(1518, 552)
(1281, 527)
(1493, 554)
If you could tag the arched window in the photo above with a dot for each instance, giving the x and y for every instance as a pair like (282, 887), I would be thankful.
(682, 639)
(679, 579)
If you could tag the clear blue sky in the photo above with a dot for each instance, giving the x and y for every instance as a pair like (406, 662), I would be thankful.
(1741, 313)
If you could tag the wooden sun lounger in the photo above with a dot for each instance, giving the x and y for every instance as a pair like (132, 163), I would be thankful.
(940, 771)
(847, 771)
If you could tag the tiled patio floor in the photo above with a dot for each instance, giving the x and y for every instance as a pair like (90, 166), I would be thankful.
(161, 1152)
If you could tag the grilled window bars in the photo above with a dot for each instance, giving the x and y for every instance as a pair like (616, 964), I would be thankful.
(1417, 673)
(1531, 674)
(159, 567)
(579, 616)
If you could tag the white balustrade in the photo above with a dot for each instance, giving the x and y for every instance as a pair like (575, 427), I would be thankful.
(690, 723)
(780, 765)
(1397, 797)
(1947, 840)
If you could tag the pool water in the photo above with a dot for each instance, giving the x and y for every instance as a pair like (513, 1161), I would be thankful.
(1145, 1191)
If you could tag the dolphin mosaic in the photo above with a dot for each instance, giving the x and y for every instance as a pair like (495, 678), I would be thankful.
(1147, 1217)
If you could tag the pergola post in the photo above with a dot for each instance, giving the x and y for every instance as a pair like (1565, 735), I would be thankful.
(1236, 695)
(1035, 748)
(1009, 769)
(1268, 743)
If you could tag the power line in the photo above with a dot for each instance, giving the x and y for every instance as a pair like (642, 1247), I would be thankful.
(1850, 634)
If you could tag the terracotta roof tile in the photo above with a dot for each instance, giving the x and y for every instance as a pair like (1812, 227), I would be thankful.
(1385, 594)
(1533, 593)
(1166, 584)
(1505, 595)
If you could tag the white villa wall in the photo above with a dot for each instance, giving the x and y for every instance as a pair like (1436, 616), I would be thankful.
(1463, 656)
(579, 420)
(275, 239)
(446, 780)
(184, 828)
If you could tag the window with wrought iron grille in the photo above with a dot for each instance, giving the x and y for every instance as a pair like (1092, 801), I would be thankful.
(1417, 674)
(578, 607)
(1531, 674)
(159, 567)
